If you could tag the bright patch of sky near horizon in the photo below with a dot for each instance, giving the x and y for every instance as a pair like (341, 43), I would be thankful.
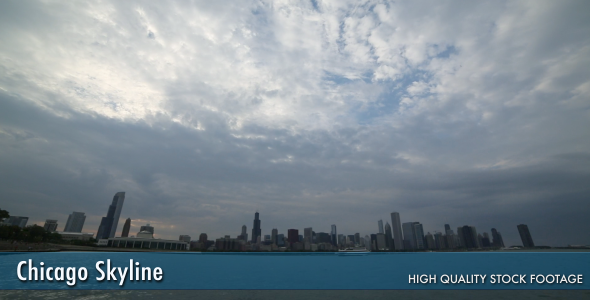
(314, 113)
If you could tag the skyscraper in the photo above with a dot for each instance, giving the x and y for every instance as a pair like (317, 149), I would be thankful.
(108, 224)
(497, 238)
(203, 238)
(280, 240)
(244, 235)
(388, 238)
(468, 237)
(409, 235)
(380, 240)
(308, 235)
(75, 222)
(334, 235)
(419, 235)
(525, 236)
(293, 236)
(16, 221)
(357, 238)
(126, 228)
(50, 225)
(273, 236)
(398, 239)
(256, 231)
(380, 223)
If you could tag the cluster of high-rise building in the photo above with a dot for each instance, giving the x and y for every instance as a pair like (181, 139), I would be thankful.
(407, 236)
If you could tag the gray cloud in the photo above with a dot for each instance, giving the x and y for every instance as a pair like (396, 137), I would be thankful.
(330, 113)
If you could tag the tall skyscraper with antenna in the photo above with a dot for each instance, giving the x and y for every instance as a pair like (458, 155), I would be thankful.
(256, 232)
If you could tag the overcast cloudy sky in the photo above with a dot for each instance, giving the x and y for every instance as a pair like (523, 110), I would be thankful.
(313, 113)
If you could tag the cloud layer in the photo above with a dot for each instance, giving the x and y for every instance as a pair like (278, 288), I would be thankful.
(318, 113)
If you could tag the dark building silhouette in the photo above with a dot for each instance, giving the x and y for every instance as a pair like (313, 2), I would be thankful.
(147, 228)
(126, 227)
(323, 237)
(203, 238)
(293, 236)
(497, 238)
(75, 222)
(256, 232)
(388, 236)
(244, 235)
(468, 236)
(334, 235)
(274, 236)
(108, 224)
(374, 242)
(525, 236)
(50, 225)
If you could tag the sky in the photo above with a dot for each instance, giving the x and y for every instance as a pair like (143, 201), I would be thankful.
(311, 113)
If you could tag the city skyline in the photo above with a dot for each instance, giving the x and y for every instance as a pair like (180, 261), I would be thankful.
(414, 237)
(312, 113)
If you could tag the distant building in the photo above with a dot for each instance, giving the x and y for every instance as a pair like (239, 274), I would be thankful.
(398, 239)
(439, 241)
(293, 236)
(374, 242)
(256, 231)
(409, 235)
(308, 235)
(75, 222)
(203, 238)
(419, 235)
(144, 240)
(525, 236)
(126, 228)
(334, 235)
(381, 242)
(185, 238)
(468, 237)
(108, 224)
(147, 228)
(16, 221)
(341, 240)
(244, 235)
(274, 236)
(485, 240)
(280, 240)
(497, 240)
(388, 237)
(380, 225)
(350, 240)
(368, 243)
(50, 225)
(357, 238)
(430, 243)
(323, 238)
(76, 236)
(229, 244)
